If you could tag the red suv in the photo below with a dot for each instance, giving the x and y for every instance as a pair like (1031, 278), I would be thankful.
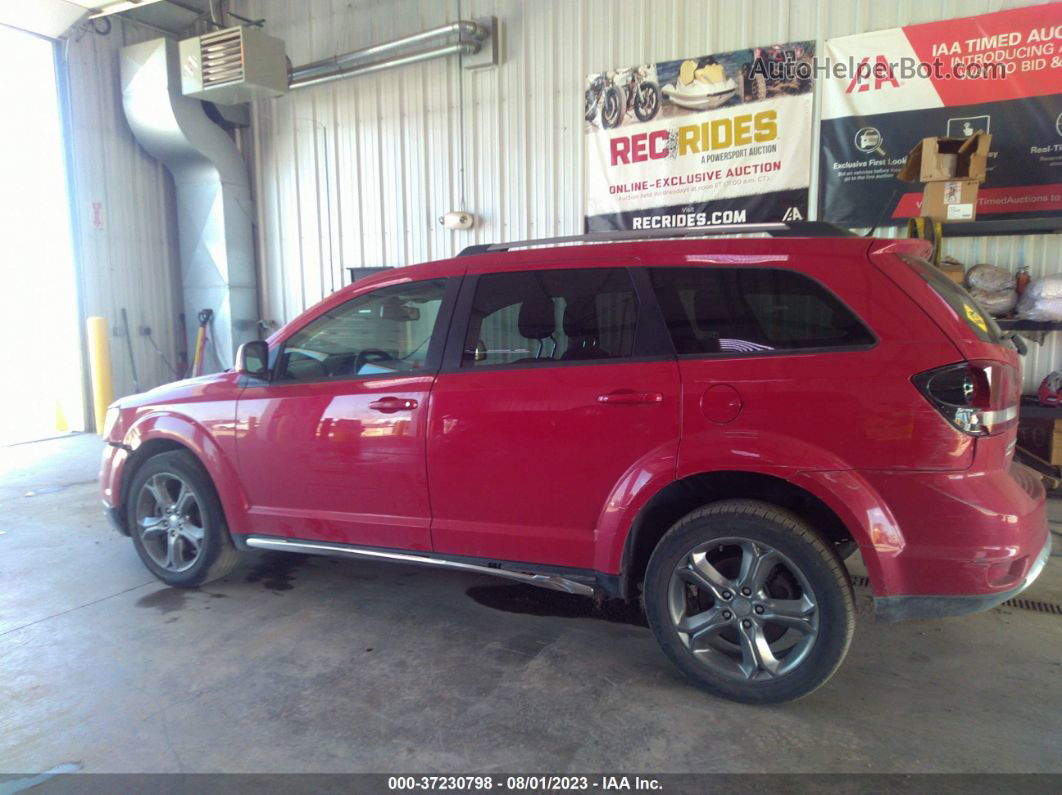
(710, 425)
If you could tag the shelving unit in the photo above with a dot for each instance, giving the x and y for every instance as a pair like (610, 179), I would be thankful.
(1034, 411)
(1017, 324)
(1015, 226)
(1010, 226)
(1030, 409)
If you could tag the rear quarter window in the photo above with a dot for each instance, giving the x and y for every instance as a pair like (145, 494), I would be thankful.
(739, 311)
(979, 322)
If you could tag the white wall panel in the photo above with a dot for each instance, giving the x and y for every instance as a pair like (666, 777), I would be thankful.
(355, 173)
(131, 260)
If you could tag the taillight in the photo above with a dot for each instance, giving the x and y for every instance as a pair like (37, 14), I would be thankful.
(978, 398)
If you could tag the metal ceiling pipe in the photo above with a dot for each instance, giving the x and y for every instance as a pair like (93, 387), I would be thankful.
(214, 208)
(465, 47)
(463, 28)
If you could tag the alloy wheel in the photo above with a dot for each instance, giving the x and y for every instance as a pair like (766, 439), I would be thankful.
(743, 609)
(169, 521)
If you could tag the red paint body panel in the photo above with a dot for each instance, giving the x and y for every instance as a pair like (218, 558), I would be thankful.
(200, 415)
(521, 461)
(319, 462)
(526, 464)
(972, 532)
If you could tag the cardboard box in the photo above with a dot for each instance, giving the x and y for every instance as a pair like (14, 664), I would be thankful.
(1042, 437)
(953, 270)
(936, 159)
(953, 200)
(952, 169)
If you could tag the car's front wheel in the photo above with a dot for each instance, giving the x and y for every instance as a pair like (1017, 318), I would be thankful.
(749, 602)
(176, 521)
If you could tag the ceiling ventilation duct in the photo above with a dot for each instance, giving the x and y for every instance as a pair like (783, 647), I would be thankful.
(233, 65)
(214, 211)
(476, 41)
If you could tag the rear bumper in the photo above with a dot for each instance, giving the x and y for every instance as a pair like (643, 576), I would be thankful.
(974, 534)
(903, 608)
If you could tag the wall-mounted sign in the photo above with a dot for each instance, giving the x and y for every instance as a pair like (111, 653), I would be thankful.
(97, 215)
(719, 139)
(997, 73)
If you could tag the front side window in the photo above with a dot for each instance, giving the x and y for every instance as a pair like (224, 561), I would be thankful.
(713, 310)
(385, 331)
(543, 317)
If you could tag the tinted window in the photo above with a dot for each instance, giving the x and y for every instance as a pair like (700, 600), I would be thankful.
(752, 310)
(385, 331)
(980, 322)
(538, 317)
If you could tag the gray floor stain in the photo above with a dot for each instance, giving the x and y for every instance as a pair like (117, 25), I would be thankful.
(168, 600)
(276, 570)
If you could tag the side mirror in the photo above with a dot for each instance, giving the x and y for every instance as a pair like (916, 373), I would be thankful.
(252, 358)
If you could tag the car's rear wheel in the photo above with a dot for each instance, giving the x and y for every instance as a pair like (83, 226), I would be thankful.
(749, 602)
(176, 521)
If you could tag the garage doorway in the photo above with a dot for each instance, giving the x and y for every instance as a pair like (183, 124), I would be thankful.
(40, 351)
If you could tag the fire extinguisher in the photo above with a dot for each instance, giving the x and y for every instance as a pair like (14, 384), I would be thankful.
(1022, 281)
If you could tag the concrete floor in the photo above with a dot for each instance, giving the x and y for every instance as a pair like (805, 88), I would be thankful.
(312, 664)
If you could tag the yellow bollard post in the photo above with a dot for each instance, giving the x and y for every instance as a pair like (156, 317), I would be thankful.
(61, 424)
(99, 352)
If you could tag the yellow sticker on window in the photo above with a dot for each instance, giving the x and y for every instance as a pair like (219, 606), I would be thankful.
(975, 317)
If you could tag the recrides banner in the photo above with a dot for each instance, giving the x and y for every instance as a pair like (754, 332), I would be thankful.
(999, 73)
(720, 139)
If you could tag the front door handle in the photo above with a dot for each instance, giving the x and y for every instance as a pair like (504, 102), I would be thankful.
(389, 405)
(629, 396)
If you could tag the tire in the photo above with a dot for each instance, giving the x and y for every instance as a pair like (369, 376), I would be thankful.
(590, 106)
(165, 541)
(759, 87)
(613, 108)
(799, 603)
(647, 101)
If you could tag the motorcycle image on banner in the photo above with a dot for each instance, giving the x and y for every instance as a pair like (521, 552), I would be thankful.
(615, 94)
(717, 139)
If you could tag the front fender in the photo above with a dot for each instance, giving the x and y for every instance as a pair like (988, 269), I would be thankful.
(213, 446)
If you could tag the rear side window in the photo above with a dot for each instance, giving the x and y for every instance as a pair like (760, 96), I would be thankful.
(962, 303)
(743, 311)
(542, 317)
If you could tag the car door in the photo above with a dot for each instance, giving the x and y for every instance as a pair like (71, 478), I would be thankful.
(557, 384)
(332, 447)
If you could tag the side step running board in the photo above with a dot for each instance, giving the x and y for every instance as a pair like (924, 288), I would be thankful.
(551, 581)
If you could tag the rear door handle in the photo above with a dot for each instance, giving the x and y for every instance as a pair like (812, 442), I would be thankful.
(389, 405)
(629, 396)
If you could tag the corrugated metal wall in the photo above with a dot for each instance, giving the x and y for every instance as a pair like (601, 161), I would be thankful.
(124, 212)
(1042, 254)
(356, 173)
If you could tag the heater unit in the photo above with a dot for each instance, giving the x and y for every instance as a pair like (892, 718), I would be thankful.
(232, 66)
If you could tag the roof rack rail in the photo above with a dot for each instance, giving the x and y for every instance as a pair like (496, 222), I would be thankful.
(780, 229)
